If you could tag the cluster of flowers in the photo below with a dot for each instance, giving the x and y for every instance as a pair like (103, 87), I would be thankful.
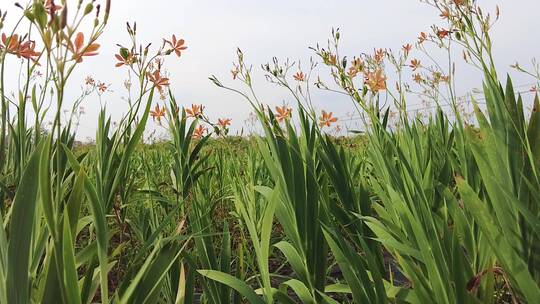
(196, 111)
(325, 120)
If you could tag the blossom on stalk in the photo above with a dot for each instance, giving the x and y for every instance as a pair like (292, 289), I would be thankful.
(415, 64)
(327, 119)
(14, 46)
(224, 122)
(379, 55)
(80, 50)
(102, 87)
(375, 81)
(198, 133)
(423, 37)
(26, 50)
(124, 59)
(157, 113)
(442, 33)
(11, 43)
(445, 14)
(89, 81)
(176, 45)
(235, 73)
(283, 113)
(407, 48)
(330, 59)
(51, 7)
(352, 72)
(195, 111)
(357, 66)
(158, 80)
(299, 76)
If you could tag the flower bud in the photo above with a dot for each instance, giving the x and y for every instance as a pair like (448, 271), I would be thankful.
(88, 9)
(107, 10)
(28, 14)
(40, 14)
(63, 20)
(47, 40)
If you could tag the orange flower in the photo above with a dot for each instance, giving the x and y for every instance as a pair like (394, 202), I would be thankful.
(89, 80)
(14, 46)
(102, 87)
(375, 81)
(407, 48)
(224, 122)
(352, 72)
(299, 76)
(332, 60)
(445, 14)
(157, 113)
(158, 80)
(235, 73)
(442, 33)
(177, 45)
(195, 111)
(199, 132)
(357, 66)
(423, 37)
(327, 119)
(128, 60)
(379, 55)
(417, 78)
(10, 43)
(415, 64)
(79, 50)
(51, 7)
(283, 113)
(26, 50)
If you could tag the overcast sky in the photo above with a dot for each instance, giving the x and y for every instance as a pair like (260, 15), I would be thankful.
(283, 28)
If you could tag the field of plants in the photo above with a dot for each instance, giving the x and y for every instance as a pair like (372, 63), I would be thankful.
(438, 208)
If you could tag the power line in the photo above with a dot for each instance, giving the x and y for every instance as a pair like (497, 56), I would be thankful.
(430, 107)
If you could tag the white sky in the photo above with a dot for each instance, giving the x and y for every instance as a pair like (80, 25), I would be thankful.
(263, 29)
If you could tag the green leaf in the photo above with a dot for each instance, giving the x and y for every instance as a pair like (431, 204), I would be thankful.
(234, 283)
(294, 258)
(40, 14)
(74, 202)
(3, 261)
(300, 290)
(71, 282)
(20, 232)
(512, 263)
(98, 215)
(338, 288)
